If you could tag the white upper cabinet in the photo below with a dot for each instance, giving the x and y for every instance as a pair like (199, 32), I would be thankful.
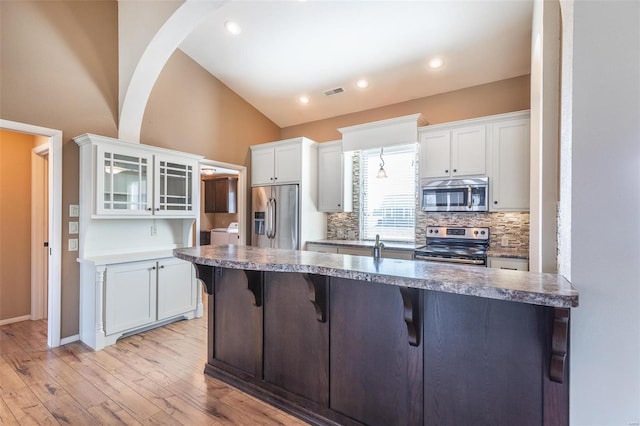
(334, 178)
(454, 152)
(277, 163)
(136, 180)
(435, 154)
(123, 181)
(510, 152)
(468, 151)
(174, 178)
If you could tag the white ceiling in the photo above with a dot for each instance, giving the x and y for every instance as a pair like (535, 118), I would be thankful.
(291, 48)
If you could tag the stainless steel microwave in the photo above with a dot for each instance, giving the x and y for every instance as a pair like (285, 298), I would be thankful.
(455, 195)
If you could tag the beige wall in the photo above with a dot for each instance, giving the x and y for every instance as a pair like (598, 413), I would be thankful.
(59, 69)
(192, 111)
(15, 224)
(487, 99)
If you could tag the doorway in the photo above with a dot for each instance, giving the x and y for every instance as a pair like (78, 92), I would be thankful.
(53, 220)
(210, 169)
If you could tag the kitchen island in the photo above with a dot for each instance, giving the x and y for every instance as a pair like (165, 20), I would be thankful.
(340, 339)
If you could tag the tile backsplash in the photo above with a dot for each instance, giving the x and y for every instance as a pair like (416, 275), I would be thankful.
(512, 225)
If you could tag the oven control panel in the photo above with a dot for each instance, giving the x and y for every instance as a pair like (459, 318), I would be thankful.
(457, 232)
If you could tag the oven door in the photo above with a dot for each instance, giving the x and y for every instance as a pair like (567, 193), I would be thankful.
(463, 195)
(463, 261)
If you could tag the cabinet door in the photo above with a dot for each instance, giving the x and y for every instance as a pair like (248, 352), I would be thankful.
(322, 248)
(468, 151)
(262, 163)
(330, 189)
(176, 288)
(130, 296)
(508, 263)
(174, 187)
(510, 166)
(356, 251)
(123, 182)
(288, 164)
(435, 154)
(220, 195)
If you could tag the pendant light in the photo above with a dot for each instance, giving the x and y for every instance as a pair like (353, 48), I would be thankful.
(381, 173)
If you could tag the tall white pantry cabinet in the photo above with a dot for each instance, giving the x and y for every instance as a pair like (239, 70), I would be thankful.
(137, 203)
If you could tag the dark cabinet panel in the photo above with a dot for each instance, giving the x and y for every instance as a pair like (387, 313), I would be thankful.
(220, 195)
(205, 238)
(238, 321)
(296, 351)
(373, 367)
(483, 361)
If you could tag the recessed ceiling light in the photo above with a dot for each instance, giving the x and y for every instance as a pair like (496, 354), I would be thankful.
(436, 63)
(363, 84)
(233, 27)
(303, 100)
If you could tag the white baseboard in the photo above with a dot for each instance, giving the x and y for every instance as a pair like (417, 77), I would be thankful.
(69, 339)
(16, 319)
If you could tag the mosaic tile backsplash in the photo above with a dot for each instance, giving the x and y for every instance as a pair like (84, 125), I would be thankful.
(512, 225)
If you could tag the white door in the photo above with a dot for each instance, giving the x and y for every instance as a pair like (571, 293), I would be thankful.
(174, 187)
(130, 296)
(288, 164)
(262, 163)
(176, 288)
(510, 166)
(468, 151)
(435, 154)
(330, 188)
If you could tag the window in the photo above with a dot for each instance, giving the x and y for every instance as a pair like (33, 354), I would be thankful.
(388, 204)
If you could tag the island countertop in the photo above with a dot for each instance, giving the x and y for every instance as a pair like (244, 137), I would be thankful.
(516, 286)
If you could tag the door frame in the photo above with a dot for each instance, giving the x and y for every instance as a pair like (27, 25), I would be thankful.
(39, 225)
(243, 188)
(55, 223)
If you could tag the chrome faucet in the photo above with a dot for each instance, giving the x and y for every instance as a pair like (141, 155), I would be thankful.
(377, 248)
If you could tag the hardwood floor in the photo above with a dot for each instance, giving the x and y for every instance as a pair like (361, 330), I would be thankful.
(152, 378)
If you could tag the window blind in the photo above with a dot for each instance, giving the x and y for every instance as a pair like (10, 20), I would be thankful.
(388, 204)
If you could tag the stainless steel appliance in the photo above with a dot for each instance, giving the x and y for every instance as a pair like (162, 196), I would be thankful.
(275, 216)
(455, 195)
(455, 245)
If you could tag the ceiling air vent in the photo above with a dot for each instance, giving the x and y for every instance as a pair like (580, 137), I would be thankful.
(334, 91)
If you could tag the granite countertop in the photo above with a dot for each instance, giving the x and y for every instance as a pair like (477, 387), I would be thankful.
(508, 253)
(524, 287)
(392, 245)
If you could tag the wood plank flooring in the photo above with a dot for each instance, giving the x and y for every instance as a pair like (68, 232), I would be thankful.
(152, 378)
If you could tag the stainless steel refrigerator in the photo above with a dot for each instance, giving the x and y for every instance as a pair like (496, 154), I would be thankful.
(275, 217)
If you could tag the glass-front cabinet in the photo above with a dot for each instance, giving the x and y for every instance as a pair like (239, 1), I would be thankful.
(139, 182)
(174, 181)
(124, 183)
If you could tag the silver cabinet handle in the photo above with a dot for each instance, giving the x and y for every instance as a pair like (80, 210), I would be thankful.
(470, 199)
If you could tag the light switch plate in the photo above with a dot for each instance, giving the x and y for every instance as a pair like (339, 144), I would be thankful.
(74, 210)
(73, 244)
(73, 228)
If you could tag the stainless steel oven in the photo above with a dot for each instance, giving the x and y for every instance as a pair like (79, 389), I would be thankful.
(455, 195)
(455, 245)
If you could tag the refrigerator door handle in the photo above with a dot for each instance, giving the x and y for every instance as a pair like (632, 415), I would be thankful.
(274, 219)
(269, 224)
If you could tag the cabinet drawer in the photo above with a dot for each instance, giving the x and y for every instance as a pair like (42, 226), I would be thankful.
(322, 248)
(508, 263)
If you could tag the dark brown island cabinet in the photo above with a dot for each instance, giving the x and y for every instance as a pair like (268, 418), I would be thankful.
(339, 339)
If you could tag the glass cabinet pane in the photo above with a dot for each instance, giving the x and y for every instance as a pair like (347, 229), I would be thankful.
(125, 183)
(175, 187)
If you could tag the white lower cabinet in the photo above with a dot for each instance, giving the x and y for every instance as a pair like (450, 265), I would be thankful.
(128, 297)
(176, 288)
(508, 263)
